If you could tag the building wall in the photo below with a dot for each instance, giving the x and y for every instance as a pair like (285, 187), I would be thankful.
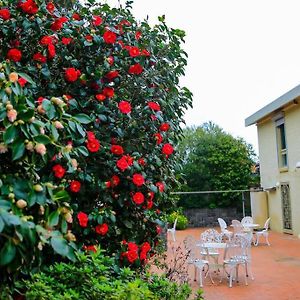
(271, 176)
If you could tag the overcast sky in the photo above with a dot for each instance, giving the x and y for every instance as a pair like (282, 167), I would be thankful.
(243, 54)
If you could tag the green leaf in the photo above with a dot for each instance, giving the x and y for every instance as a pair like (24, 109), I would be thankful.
(10, 134)
(61, 196)
(27, 77)
(83, 118)
(60, 246)
(18, 149)
(53, 218)
(7, 253)
(83, 150)
(64, 226)
(4, 204)
(43, 139)
(1, 224)
(127, 224)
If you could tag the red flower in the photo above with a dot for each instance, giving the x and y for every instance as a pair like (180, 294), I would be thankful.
(145, 52)
(143, 255)
(112, 74)
(71, 74)
(93, 145)
(122, 163)
(89, 38)
(39, 57)
(76, 17)
(50, 7)
(141, 161)
(138, 198)
(164, 127)
(132, 256)
(29, 7)
(40, 100)
(101, 229)
(90, 248)
(51, 51)
(117, 150)
(4, 14)
(149, 204)
(58, 23)
(158, 138)
(66, 41)
(100, 97)
(125, 107)
(153, 105)
(150, 195)
(14, 54)
(59, 171)
(83, 219)
(110, 60)
(138, 35)
(109, 37)
(90, 135)
(145, 247)
(46, 40)
(158, 229)
(132, 246)
(135, 69)
(138, 179)
(167, 149)
(134, 51)
(108, 92)
(75, 186)
(115, 180)
(160, 186)
(97, 20)
(22, 81)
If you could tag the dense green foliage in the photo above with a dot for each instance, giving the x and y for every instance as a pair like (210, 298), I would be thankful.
(182, 221)
(90, 113)
(95, 277)
(214, 160)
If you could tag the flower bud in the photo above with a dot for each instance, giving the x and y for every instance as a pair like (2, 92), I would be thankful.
(29, 146)
(38, 188)
(58, 125)
(8, 90)
(12, 115)
(70, 236)
(9, 106)
(57, 101)
(21, 203)
(11, 196)
(68, 217)
(40, 149)
(13, 77)
(40, 109)
(3, 148)
(41, 210)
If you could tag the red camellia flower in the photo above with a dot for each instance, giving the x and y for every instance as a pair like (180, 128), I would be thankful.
(125, 107)
(167, 149)
(138, 198)
(158, 229)
(90, 135)
(145, 52)
(4, 14)
(50, 7)
(39, 57)
(138, 35)
(71, 74)
(110, 60)
(59, 171)
(100, 97)
(117, 150)
(109, 37)
(134, 51)
(153, 105)
(138, 179)
(89, 38)
(22, 81)
(164, 127)
(160, 186)
(93, 145)
(51, 51)
(132, 256)
(75, 186)
(90, 248)
(29, 7)
(83, 219)
(112, 74)
(135, 69)
(115, 180)
(58, 23)
(145, 247)
(76, 17)
(158, 138)
(149, 204)
(66, 40)
(101, 229)
(97, 20)
(122, 163)
(132, 246)
(46, 40)
(108, 92)
(14, 55)
(141, 161)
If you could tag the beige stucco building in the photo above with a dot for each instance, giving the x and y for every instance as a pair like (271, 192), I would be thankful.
(278, 128)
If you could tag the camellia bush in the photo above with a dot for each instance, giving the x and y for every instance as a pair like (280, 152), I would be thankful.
(90, 113)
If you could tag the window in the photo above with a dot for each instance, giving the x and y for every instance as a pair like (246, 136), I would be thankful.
(281, 144)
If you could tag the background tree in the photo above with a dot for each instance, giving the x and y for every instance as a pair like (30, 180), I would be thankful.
(214, 160)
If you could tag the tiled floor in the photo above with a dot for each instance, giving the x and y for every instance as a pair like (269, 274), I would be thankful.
(276, 270)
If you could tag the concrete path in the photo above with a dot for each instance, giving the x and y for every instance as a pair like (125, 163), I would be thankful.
(276, 270)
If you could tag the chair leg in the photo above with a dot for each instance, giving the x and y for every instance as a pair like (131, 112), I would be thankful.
(257, 239)
(246, 281)
(195, 273)
(267, 239)
(200, 277)
(173, 236)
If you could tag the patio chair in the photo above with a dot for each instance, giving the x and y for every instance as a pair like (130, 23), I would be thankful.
(237, 226)
(235, 256)
(172, 230)
(223, 226)
(191, 259)
(263, 232)
(247, 220)
(210, 236)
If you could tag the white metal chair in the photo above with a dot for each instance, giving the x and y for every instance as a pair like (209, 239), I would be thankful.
(235, 256)
(210, 236)
(200, 264)
(247, 220)
(263, 232)
(224, 230)
(173, 230)
(237, 226)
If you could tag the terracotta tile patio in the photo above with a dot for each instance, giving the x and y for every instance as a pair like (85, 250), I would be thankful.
(276, 270)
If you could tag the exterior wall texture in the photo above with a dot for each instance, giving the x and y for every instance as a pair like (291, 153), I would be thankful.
(272, 176)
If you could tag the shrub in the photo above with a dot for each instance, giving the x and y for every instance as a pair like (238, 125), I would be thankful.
(182, 220)
(90, 109)
(97, 277)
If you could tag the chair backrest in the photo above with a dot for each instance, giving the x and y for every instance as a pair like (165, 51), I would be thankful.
(237, 226)
(237, 248)
(267, 223)
(190, 248)
(211, 236)
(247, 220)
(175, 223)
(222, 223)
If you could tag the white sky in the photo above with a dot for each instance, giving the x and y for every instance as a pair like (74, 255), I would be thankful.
(243, 54)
